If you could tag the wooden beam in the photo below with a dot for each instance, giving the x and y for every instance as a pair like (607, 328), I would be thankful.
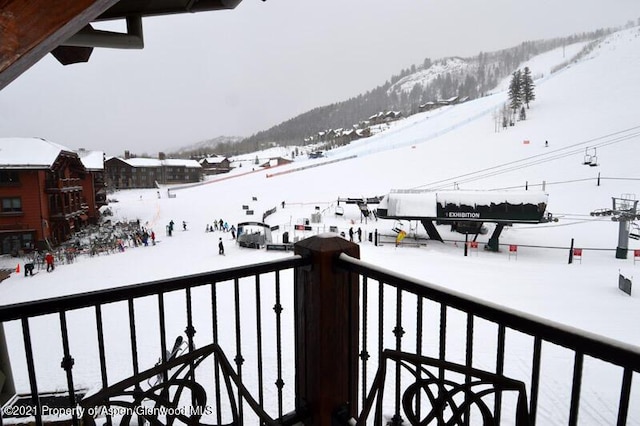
(31, 29)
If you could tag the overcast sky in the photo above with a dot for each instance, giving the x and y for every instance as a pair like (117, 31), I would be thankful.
(238, 72)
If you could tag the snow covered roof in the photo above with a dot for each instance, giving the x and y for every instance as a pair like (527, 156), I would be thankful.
(154, 162)
(417, 203)
(190, 164)
(29, 153)
(92, 160)
(213, 160)
(487, 197)
(143, 162)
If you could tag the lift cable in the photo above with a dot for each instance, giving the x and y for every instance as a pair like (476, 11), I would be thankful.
(605, 140)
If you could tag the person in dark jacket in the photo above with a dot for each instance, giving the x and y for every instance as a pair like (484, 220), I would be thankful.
(220, 247)
(28, 269)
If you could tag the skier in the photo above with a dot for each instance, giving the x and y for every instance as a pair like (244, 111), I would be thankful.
(351, 234)
(153, 238)
(220, 247)
(184, 225)
(359, 235)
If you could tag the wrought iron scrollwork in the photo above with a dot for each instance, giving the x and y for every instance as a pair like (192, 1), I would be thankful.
(430, 399)
(179, 399)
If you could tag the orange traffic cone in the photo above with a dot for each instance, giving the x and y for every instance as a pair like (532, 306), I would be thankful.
(18, 269)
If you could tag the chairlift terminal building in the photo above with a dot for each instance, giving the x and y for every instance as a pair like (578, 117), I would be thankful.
(465, 210)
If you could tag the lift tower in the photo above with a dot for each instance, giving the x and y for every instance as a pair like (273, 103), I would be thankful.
(624, 211)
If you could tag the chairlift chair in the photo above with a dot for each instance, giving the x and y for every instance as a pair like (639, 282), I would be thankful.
(590, 157)
(634, 233)
(398, 226)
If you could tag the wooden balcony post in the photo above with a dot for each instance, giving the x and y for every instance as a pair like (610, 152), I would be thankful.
(326, 319)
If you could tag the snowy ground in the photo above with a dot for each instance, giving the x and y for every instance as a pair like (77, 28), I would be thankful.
(592, 103)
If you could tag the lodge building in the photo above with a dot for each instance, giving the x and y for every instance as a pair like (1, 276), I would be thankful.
(123, 173)
(46, 193)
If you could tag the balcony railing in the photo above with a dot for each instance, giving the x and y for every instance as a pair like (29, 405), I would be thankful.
(63, 185)
(69, 211)
(321, 338)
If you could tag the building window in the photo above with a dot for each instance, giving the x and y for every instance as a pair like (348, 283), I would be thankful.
(11, 205)
(9, 177)
(14, 242)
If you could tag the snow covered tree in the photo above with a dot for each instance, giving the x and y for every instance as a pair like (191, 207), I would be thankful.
(515, 91)
(527, 87)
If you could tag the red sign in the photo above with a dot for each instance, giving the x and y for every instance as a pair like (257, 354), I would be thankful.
(513, 248)
(474, 244)
(577, 252)
(636, 253)
(299, 227)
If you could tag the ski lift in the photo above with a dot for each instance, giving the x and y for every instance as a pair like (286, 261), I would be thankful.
(339, 211)
(634, 233)
(398, 226)
(590, 157)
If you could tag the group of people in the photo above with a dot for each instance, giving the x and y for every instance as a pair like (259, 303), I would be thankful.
(172, 224)
(48, 259)
(140, 237)
(221, 226)
(351, 233)
(218, 225)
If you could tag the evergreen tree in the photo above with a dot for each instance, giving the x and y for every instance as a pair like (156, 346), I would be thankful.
(515, 91)
(528, 93)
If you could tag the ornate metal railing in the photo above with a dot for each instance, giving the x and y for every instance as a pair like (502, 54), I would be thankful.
(116, 350)
(467, 374)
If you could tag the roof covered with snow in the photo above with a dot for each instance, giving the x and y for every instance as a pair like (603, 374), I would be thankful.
(177, 162)
(29, 153)
(213, 160)
(154, 162)
(416, 203)
(142, 162)
(92, 160)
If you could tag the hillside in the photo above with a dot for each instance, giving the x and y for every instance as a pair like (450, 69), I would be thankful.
(430, 81)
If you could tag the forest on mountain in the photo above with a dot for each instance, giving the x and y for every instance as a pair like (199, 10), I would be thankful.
(430, 81)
